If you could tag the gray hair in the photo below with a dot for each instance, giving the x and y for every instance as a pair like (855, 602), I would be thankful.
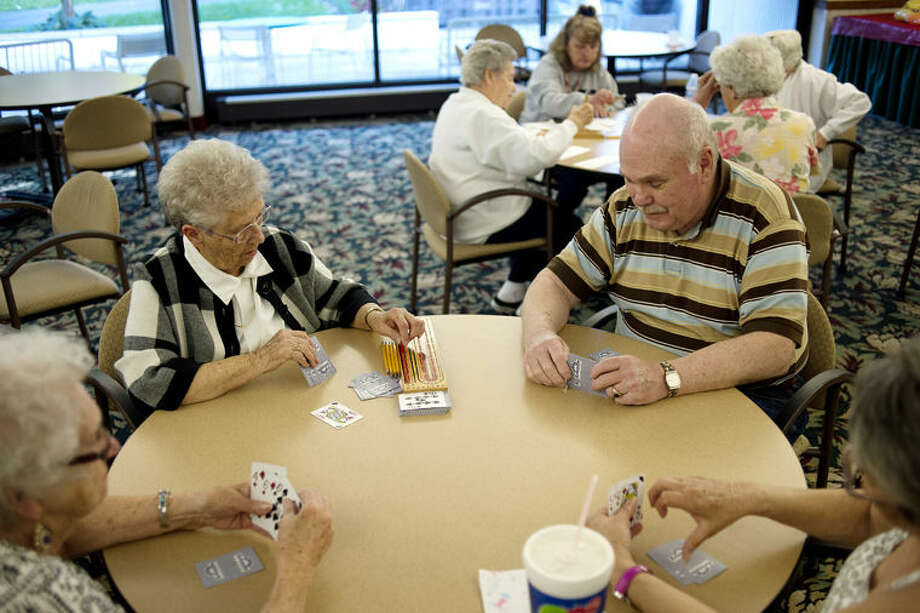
(483, 55)
(789, 44)
(692, 133)
(885, 424)
(39, 429)
(208, 178)
(750, 65)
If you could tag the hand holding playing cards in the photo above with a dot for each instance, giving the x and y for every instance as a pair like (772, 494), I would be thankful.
(287, 345)
(630, 380)
(714, 505)
(305, 536)
(545, 360)
(615, 528)
(228, 508)
(397, 324)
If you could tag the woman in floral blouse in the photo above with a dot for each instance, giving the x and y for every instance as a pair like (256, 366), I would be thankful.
(756, 132)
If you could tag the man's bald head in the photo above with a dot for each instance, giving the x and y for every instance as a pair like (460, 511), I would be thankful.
(677, 125)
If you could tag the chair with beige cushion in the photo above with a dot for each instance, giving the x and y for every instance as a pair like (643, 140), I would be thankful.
(516, 106)
(167, 94)
(844, 150)
(823, 227)
(433, 208)
(85, 208)
(507, 34)
(111, 348)
(108, 133)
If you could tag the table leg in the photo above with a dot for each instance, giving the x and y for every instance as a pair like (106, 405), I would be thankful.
(910, 258)
(51, 157)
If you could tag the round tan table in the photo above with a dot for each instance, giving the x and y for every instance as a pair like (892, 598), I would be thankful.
(419, 504)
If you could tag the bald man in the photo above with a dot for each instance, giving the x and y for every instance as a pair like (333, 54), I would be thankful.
(703, 258)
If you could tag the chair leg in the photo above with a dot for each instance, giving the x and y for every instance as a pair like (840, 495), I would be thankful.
(910, 258)
(826, 282)
(143, 179)
(82, 323)
(413, 292)
(448, 273)
(827, 436)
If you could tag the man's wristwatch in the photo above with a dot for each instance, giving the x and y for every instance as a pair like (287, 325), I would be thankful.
(671, 379)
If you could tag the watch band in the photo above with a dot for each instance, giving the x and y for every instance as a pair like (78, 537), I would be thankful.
(668, 372)
(162, 507)
(622, 586)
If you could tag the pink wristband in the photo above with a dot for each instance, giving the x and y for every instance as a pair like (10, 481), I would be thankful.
(620, 589)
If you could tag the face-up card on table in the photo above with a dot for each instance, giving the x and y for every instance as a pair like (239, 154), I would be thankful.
(228, 567)
(699, 569)
(336, 415)
(622, 492)
(323, 369)
(269, 483)
(581, 374)
(597, 356)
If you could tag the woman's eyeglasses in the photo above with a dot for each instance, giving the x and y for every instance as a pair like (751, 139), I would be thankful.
(249, 231)
(103, 455)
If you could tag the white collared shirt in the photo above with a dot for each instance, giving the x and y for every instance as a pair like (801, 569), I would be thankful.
(255, 318)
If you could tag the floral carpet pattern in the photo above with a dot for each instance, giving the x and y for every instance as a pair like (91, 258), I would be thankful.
(342, 186)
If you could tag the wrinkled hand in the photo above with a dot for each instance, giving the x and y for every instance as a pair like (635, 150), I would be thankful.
(629, 380)
(287, 345)
(228, 508)
(582, 114)
(820, 141)
(601, 101)
(397, 324)
(306, 535)
(706, 88)
(545, 360)
(616, 529)
(713, 505)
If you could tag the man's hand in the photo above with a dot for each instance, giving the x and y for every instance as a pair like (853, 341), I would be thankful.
(714, 505)
(545, 360)
(305, 536)
(287, 345)
(582, 115)
(397, 324)
(706, 89)
(820, 141)
(629, 380)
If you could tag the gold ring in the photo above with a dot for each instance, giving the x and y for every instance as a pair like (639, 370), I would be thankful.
(616, 394)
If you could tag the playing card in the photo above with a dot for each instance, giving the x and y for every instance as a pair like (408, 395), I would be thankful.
(336, 415)
(597, 356)
(228, 567)
(375, 385)
(701, 568)
(323, 369)
(581, 374)
(424, 403)
(269, 483)
(622, 492)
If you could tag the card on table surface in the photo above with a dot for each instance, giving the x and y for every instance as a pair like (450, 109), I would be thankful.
(622, 492)
(504, 591)
(228, 567)
(269, 483)
(424, 403)
(336, 415)
(597, 356)
(701, 568)
(581, 374)
(323, 369)
(375, 385)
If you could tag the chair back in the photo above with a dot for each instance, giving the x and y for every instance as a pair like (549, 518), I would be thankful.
(699, 57)
(841, 152)
(112, 339)
(430, 199)
(822, 350)
(819, 225)
(506, 34)
(88, 202)
(106, 122)
(516, 106)
(167, 68)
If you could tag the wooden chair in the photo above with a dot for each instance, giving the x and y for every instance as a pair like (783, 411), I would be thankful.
(433, 208)
(668, 77)
(167, 94)
(821, 390)
(845, 149)
(108, 133)
(86, 207)
(823, 227)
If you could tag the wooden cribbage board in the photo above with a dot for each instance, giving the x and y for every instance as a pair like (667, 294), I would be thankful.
(417, 363)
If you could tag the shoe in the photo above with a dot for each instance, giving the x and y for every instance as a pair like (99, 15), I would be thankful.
(505, 308)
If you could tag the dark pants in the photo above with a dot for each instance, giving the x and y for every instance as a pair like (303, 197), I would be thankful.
(532, 224)
(573, 184)
(772, 400)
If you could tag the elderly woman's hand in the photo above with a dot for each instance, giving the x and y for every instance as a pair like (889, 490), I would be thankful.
(616, 529)
(287, 345)
(224, 508)
(582, 114)
(714, 505)
(602, 102)
(306, 535)
(706, 89)
(397, 324)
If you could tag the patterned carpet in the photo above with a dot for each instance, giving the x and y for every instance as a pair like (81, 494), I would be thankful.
(343, 186)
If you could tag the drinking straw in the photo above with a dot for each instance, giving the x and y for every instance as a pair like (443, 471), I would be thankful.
(584, 514)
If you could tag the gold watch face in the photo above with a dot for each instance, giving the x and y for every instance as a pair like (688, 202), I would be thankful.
(672, 379)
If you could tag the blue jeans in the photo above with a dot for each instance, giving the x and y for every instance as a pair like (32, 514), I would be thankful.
(772, 400)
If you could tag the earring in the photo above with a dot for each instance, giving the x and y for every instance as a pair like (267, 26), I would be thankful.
(41, 538)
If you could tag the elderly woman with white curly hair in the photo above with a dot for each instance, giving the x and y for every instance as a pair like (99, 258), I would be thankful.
(53, 491)
(757, 132)
(477, 147)
(228, 298)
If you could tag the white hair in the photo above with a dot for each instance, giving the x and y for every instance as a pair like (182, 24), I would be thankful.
(695, 134)
(750, 65)
(789, 44)
(208, 178)
(483, 55)
(39, 426)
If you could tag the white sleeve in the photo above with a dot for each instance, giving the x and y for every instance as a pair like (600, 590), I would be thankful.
(843, 105)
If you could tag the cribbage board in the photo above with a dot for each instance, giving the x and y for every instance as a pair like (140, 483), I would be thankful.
(417, 363)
